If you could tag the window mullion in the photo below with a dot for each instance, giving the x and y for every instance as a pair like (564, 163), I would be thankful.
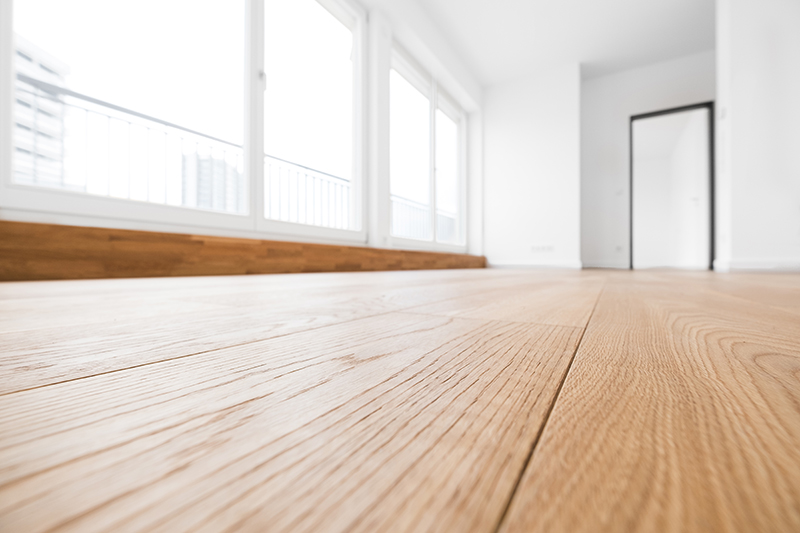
(463, 183)
(255, 86)
(432, 133)
(6, 94)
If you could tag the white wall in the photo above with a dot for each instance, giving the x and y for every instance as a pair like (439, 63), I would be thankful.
(607, 104)
(759, 134)
(532, 170)
(475, 184)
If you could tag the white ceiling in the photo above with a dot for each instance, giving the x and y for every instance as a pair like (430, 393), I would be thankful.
(501, 40)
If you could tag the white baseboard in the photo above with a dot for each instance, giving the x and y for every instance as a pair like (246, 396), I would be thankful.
(769, 265)
(605, 264)
(722, 265)
(573, 265)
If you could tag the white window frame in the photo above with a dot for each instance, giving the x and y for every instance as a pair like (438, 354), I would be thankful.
(34, 203)
(405, 65)
(354, 17)
(371, 201)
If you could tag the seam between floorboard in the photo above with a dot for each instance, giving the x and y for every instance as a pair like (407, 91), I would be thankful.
(184, 356)
(502, 321)
(539, 434)
(774, 307)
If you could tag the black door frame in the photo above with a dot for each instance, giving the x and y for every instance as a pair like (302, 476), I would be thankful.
(703, 105)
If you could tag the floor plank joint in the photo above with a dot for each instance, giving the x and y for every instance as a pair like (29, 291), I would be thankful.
(471, 400)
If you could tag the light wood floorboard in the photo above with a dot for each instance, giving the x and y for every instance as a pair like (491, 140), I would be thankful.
(681, 413)
(336, 428)
(80, 334)
(474, 400)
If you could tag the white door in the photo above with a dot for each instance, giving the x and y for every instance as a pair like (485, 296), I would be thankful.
(671, 191)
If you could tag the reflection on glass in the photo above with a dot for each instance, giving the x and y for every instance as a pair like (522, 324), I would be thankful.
(113, 101)
(446, 178)
(409, 157)
(308, 114)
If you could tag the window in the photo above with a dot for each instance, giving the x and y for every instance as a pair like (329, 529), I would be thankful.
(157, 119)
(309, 137)
(447, 171)
(425, 157)
(409, 159)
(130, 118)
(246, 117)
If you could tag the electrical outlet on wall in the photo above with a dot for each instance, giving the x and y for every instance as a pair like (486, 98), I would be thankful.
(542, 248)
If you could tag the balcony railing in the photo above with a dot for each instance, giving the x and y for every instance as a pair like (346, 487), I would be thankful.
(295, 193)
(72, 141)
(68, 140)
(412, 220)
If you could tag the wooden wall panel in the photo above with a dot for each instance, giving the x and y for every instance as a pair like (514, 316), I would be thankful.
(47, 251)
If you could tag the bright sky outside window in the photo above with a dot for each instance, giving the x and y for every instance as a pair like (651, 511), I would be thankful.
(177, 61)
(114, 101)
(446, 178)
(308, 114)
(409, 159)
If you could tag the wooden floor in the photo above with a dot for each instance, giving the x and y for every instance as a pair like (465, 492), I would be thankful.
(477, 400)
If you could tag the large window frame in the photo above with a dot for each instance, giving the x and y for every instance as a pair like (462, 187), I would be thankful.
(405, 65)
(76, 205)
(354, 17)
(30, 199)
(25, 202)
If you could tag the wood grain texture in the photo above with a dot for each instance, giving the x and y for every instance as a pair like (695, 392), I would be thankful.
(91, 327)
(397, 422)
(775, 290)
(461, 401)
(47, 251)
(556, 298)
(681, 412)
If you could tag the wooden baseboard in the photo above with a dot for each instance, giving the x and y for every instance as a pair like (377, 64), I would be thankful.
(47, 251)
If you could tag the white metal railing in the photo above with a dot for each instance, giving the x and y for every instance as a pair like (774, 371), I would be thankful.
(294, 193)
(412, 220)
(68, 140)
(446, 227)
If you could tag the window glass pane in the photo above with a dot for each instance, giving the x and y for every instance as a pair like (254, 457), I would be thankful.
(308, 115)
(409, 159)
(447, 226)
(139, 100)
